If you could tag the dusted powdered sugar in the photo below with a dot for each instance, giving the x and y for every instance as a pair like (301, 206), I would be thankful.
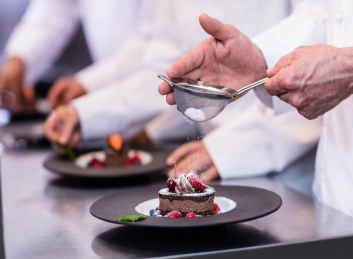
(195, 114)
(208, 191)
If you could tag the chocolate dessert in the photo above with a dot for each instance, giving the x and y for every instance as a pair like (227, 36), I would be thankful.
(187, 194)
(116, 152)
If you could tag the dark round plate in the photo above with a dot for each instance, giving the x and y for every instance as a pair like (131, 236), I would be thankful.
(64, 166)
(251, 203)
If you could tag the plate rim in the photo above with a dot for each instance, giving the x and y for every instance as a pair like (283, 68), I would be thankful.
(158, 154)
(141, 224)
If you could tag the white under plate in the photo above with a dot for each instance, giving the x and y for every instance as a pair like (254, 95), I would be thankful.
(224, 204)
(83, 160)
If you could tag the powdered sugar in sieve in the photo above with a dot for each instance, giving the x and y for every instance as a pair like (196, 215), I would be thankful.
(195, 114)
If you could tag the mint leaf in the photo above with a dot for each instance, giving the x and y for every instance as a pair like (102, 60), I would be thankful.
(131, 218)
(68, 151)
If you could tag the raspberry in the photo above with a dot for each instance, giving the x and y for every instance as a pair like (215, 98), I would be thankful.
(95, 163)
(191, 215)
(215, 209)
(133, 161)
(195, 181)
(192, 172)
(174, 214)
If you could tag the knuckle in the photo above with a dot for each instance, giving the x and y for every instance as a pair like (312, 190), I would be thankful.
(298, 51)
(287, 83)
(298, 101)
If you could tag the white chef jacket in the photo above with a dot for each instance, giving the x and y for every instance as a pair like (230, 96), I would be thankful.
(174, 31)
(329, 22)
(245, 137)
(47, 27)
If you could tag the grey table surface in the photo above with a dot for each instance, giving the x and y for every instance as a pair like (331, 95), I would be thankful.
(47, 216)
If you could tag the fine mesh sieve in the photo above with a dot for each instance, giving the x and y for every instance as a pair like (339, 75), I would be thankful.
(201, 101)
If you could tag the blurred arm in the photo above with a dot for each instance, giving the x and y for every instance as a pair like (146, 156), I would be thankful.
(114, 109)
(42, 33)
(258, 142)
(127, 58)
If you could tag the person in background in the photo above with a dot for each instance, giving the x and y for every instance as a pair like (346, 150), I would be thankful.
(309, 56)
(127, 104)
(44, 31)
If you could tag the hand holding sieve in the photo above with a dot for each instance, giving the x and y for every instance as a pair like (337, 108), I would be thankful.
(201, 101)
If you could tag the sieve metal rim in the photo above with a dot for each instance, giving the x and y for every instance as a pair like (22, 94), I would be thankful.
(190, 89)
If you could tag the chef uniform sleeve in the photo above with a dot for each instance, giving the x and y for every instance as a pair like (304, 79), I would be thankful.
(41, 34)
(305, 26)
(256, 141)
(124, 106)
(126, 58)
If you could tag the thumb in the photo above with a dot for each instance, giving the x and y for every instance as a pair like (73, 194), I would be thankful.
(217, 29)
(68, 128)
(283, 62)
(55, 94)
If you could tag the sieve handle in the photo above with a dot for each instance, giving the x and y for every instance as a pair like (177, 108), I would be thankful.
(251, 86)
(166, 79)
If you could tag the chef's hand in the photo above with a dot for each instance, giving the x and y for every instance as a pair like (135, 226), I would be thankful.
(313, 79)
(193, 156)
(63, 125)
(64, 90)
(228, 58)
(14, 94)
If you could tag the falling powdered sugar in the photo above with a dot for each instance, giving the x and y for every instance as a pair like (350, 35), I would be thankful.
(195, 114)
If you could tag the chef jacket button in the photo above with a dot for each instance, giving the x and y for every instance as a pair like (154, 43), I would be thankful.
(339, 17)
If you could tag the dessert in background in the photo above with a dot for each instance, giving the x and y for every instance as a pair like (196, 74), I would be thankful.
(116, 152)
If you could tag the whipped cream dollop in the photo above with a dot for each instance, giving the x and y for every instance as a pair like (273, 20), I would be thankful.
(182, 185)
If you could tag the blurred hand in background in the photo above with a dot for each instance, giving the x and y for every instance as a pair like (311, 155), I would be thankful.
(64, 90)
(193, 156)
(63, 126)
(228, 58)
(15, 95)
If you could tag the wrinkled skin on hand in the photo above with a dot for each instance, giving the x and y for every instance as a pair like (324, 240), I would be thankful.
(193, 156)
(313, 79)
(63, 125)
(64, 90)
(228, 58)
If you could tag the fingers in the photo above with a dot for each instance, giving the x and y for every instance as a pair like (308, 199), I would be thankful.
(62, 125)
(188, 163)
(64, 90)
(170, 98)
(280, 83)
(51, 127)
(75, 140)
(73, 91)
(29, 94)
(55, 94)
(164, 88)
(215, 28)
(210, 174)
(282, 63)
(68, 128)
(182, 151)
(189, 62)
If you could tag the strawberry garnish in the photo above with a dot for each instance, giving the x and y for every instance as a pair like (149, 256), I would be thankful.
(191, 215)
(196, 181)
(133, 161)
(215, 209)
(174, 214)
(95, 163)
